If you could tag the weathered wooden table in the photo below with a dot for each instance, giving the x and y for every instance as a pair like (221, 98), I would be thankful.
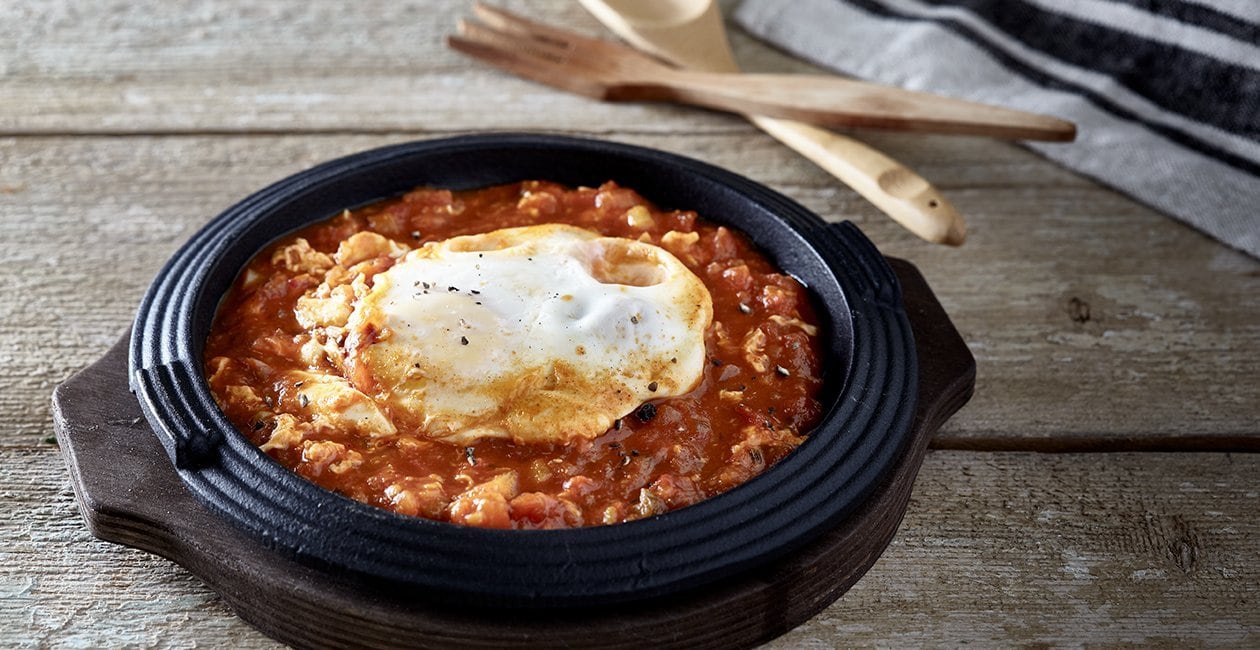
(1100, 486)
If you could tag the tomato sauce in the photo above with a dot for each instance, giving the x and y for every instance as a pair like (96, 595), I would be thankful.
(755, 403)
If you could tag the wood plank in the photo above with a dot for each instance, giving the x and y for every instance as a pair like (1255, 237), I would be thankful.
(1168, 356)
(371, 66)
(1008, 548)
(1109, 549)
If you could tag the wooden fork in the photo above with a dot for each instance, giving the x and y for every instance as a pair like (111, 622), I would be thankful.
(612, 72)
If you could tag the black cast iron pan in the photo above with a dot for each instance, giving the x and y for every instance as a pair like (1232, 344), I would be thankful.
(268, 539)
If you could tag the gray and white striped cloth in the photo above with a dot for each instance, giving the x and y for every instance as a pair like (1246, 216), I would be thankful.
(1165, 93)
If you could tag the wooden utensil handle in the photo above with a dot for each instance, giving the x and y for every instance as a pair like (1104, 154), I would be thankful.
(895, 189)
(848, 103)
(700, 44)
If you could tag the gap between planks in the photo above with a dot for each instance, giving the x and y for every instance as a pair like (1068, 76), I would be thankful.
(1085, 445)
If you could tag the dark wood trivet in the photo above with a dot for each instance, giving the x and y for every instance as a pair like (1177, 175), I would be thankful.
(129, 494)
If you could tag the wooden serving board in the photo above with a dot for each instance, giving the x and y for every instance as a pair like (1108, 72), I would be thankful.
(129, 494)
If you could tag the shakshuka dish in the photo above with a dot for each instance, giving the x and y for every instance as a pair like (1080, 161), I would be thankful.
(521, 356)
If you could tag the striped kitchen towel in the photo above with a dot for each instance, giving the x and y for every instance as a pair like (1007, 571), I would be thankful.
(1165, 93)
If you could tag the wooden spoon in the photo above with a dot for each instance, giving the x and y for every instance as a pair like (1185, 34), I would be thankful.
(690, 33)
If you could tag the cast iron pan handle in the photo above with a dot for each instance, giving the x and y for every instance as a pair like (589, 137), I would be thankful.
(128, 493)
(186, 450)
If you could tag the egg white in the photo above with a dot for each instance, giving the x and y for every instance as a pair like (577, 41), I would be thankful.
(539, 334)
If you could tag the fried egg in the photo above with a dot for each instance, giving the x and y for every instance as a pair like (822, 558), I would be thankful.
(539, 334)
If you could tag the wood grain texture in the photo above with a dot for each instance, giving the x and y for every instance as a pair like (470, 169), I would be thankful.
(1107, 549)
(996, 548)
(1096, 323)
(373, 66)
